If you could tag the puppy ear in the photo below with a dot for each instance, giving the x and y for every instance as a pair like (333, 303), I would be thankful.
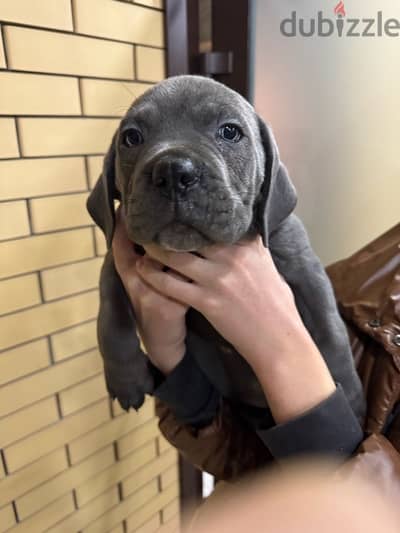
(277, 198)
(100, 202)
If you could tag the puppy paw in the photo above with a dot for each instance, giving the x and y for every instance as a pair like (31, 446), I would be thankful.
(128, 384)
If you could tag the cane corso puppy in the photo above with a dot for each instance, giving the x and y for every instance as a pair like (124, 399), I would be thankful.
(192, 164)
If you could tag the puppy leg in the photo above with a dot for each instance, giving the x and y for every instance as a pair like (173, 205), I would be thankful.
(126, 366)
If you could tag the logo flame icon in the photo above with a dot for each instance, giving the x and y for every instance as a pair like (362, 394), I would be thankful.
(339, 9)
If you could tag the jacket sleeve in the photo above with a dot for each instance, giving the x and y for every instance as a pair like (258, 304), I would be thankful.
(187, 392)
(329, 428)
(224, 448)
(228, 446)
(204, 428)
(378, 461)
(227, 450)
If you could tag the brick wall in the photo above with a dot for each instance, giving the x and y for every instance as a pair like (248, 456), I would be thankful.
(70, 460)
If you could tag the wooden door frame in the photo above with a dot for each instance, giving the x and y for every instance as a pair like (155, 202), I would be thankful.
(231, 30)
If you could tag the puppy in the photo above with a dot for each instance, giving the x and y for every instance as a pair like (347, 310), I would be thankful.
(192, 164)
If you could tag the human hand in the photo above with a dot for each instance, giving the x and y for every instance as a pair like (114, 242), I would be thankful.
(160, 318)
(236, 287)
(239, 290)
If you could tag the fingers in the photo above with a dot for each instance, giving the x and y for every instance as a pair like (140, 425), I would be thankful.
(189, 265)
(222, 253)
(170, 284)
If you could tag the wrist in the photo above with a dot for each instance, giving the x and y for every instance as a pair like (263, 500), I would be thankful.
(295, 378)
(278, 345)
(166, 358)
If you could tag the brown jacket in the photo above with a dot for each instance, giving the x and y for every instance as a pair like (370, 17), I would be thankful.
(367, 288)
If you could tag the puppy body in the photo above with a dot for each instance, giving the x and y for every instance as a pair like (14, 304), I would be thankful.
(186, 178)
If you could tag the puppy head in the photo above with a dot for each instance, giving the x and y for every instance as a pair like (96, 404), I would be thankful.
(192, 164)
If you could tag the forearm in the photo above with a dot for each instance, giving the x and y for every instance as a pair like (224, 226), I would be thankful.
(296, 378)
(311, 412)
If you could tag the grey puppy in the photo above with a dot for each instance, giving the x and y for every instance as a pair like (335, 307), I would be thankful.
(193, 164)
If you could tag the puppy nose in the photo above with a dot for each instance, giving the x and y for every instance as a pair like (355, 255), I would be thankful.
(177, 172)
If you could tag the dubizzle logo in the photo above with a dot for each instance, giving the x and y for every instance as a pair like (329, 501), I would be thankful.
(343, 26)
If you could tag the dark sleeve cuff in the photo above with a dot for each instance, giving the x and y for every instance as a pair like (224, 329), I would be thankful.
(188, 393)
(330, 428)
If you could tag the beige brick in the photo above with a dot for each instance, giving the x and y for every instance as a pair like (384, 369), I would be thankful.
(158, 4)
(48, 516)
(125, 22)
(95, 167)
(45, 319)
(79, 135)
(146, 472)
(26, 451)
(66, 481)
(89, 443)
(117, 529)
(170, 511)
(115, 473)
(7, 518)
(172, 526)
(169, 476)
(23, 360)
(97, 507)
(14, 220)
(32, 94)
(69, 279)
(140, 498)
(45, 13)
(24, 178)
(44, 51)
(8, 138)
(112, 98)
(59, 212)
(33, 388)
(17, 293)
(74, 340)
(2, 473)
(82, 395)
(149, 509)
(163, 444)
(33, 475)
(135, 439)
(150, 64)
(26, 421)
(101, 246)
(34, 253)
(150, 526)
(2, 56)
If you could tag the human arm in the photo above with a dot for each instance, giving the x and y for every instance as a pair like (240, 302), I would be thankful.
(262, 323)
(299, 366)
(224, 448)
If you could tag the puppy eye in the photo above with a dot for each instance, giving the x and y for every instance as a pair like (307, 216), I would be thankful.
(132, 137)
(230, 133)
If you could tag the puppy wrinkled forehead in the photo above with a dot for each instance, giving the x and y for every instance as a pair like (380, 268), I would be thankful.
(202, 99)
